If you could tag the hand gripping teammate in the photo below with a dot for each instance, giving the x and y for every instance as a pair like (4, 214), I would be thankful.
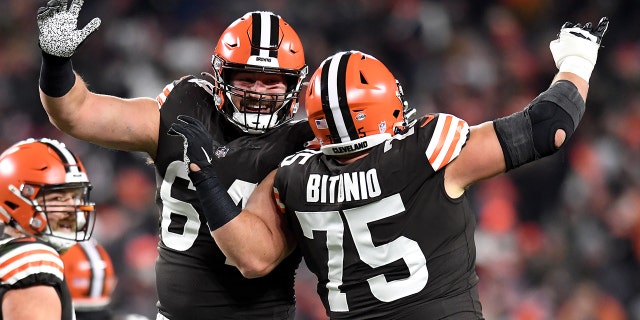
(380, 212)
(247, 104)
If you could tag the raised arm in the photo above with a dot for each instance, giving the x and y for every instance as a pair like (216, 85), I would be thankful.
(112, 122)
(255, 239)
(544, 125)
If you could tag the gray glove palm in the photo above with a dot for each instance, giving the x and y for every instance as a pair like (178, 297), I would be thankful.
(59, 35)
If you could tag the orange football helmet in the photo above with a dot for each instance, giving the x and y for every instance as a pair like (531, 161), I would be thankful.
(29, 170)
(263, 42)
(353, 103)
(89, 273)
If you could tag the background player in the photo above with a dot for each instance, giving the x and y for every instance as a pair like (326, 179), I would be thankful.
(91, 278)
(44, 209)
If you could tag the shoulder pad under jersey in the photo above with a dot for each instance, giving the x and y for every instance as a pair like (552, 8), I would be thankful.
(204, 84)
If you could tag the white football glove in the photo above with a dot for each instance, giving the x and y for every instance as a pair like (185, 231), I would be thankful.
(576, 48)
(58, 27)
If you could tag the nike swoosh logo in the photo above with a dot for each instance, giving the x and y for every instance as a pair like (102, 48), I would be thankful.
(206, 154)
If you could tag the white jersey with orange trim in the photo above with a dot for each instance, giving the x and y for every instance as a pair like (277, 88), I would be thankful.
(381, 234)
(27, 262)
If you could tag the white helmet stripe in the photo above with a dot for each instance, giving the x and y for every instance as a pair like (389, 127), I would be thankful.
(62, 151)
(335, 108)
(97, 268)
(65, 155)
(69, 161)
(334, 103)
(265, 32)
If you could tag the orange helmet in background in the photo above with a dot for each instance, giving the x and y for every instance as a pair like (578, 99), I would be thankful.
(353, 103)
(259, 41)
(89, 273)
(33, 167)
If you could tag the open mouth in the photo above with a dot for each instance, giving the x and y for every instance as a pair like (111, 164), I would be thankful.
(255, 106)
(257, 109)
(65, 226)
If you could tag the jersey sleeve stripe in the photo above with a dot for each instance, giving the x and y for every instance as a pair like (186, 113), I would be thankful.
(276, 195)
(25, 250)
(453, 149)
(450, 135)
(162, 97)
(21, 265)
(41, 268)
(438, 139)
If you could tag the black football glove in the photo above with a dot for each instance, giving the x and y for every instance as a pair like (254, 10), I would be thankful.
(217, 206)
(58, 25)
(576, 48)
(588, 31)
(199, 146)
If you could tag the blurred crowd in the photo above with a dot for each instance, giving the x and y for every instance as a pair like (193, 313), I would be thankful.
(558, 239)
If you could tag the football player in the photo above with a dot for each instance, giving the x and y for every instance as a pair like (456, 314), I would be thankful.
(44, 210)
(89, 274)
(380, 212)
(91, 278)
(247, 103)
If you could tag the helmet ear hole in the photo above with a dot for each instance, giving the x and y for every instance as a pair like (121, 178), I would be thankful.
(363, 80)
(10, 205)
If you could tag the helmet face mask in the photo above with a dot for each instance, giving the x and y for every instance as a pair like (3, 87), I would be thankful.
(354, 103)
(259, 42)
(67, 224)
(256, 111)
(45, 192)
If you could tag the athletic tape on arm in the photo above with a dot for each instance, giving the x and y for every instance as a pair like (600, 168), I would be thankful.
(518, 138)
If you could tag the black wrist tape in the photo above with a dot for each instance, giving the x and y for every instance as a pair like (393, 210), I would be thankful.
(565, 95)
(217, 206)
(56, 75)
(529, 135)
(516, 139)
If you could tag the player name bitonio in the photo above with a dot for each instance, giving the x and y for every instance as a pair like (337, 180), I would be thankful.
(349, 186)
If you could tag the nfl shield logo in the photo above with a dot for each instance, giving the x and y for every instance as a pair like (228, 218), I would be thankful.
(221, 152)
(382, 127)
